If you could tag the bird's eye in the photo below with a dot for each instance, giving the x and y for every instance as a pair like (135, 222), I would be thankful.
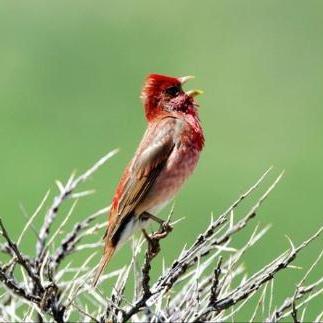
(173, 90)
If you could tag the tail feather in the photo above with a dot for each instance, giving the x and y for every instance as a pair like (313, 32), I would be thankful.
(108, 253)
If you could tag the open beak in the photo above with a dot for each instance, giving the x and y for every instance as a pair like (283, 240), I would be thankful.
(184, 79)
(192, 93)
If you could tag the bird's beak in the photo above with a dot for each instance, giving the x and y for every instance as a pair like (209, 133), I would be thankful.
(184, 79)
(191, 93)
(194, 93)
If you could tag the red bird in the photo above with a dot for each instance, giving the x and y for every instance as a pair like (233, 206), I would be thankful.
(166, 156)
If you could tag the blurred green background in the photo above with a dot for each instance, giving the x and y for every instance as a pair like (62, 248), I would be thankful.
(70, 78)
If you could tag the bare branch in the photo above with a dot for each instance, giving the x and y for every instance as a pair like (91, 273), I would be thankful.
(151, 253)
(71, 240)
(254, 282)
(300, 291)
(21, 259)
(210, 277)
(202, 245)
(215, 283)
(65, 191)
(13, 286)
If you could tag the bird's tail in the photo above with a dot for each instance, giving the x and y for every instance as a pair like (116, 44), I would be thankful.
(108, 253)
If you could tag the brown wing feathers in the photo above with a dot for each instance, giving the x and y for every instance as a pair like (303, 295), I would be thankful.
(143, 172)
(142, 182)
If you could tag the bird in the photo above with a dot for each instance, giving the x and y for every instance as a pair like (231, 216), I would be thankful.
(166, 156)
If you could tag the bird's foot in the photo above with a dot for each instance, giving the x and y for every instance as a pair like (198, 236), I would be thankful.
(165, 226)
(154, 238)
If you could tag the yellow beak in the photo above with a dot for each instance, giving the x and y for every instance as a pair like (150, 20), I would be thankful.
(194, 93)
(191, 93)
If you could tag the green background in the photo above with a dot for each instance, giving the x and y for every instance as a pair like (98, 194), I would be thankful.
(70, 78)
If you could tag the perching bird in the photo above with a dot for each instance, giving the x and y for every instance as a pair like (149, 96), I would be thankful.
(166, 156)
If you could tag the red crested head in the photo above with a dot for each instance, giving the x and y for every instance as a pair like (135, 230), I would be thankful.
(163, 93)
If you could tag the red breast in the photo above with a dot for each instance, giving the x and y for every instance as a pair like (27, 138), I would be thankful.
(180, 165)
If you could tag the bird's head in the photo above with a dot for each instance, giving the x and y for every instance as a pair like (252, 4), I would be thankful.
(163, 93)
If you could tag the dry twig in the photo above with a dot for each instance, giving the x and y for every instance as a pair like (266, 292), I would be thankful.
(210, 277)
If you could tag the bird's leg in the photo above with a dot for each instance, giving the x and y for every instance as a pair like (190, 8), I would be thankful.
(153, 239)
(164, 225)
(153, 244)
(146, 235)
(147, 215)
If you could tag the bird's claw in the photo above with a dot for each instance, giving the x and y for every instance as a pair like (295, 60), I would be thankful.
(166, 227)
(153, 239)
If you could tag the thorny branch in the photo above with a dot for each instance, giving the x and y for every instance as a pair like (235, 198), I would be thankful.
(289, 305)
(69, 243)
(65, 191)
(152, 251)
(215, 283)
(13, 286)
(38, 288)
(205, 274)
(257, 280)
(204, 242)
(22, 260)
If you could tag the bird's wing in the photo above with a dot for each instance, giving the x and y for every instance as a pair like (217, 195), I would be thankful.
(151, 157)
